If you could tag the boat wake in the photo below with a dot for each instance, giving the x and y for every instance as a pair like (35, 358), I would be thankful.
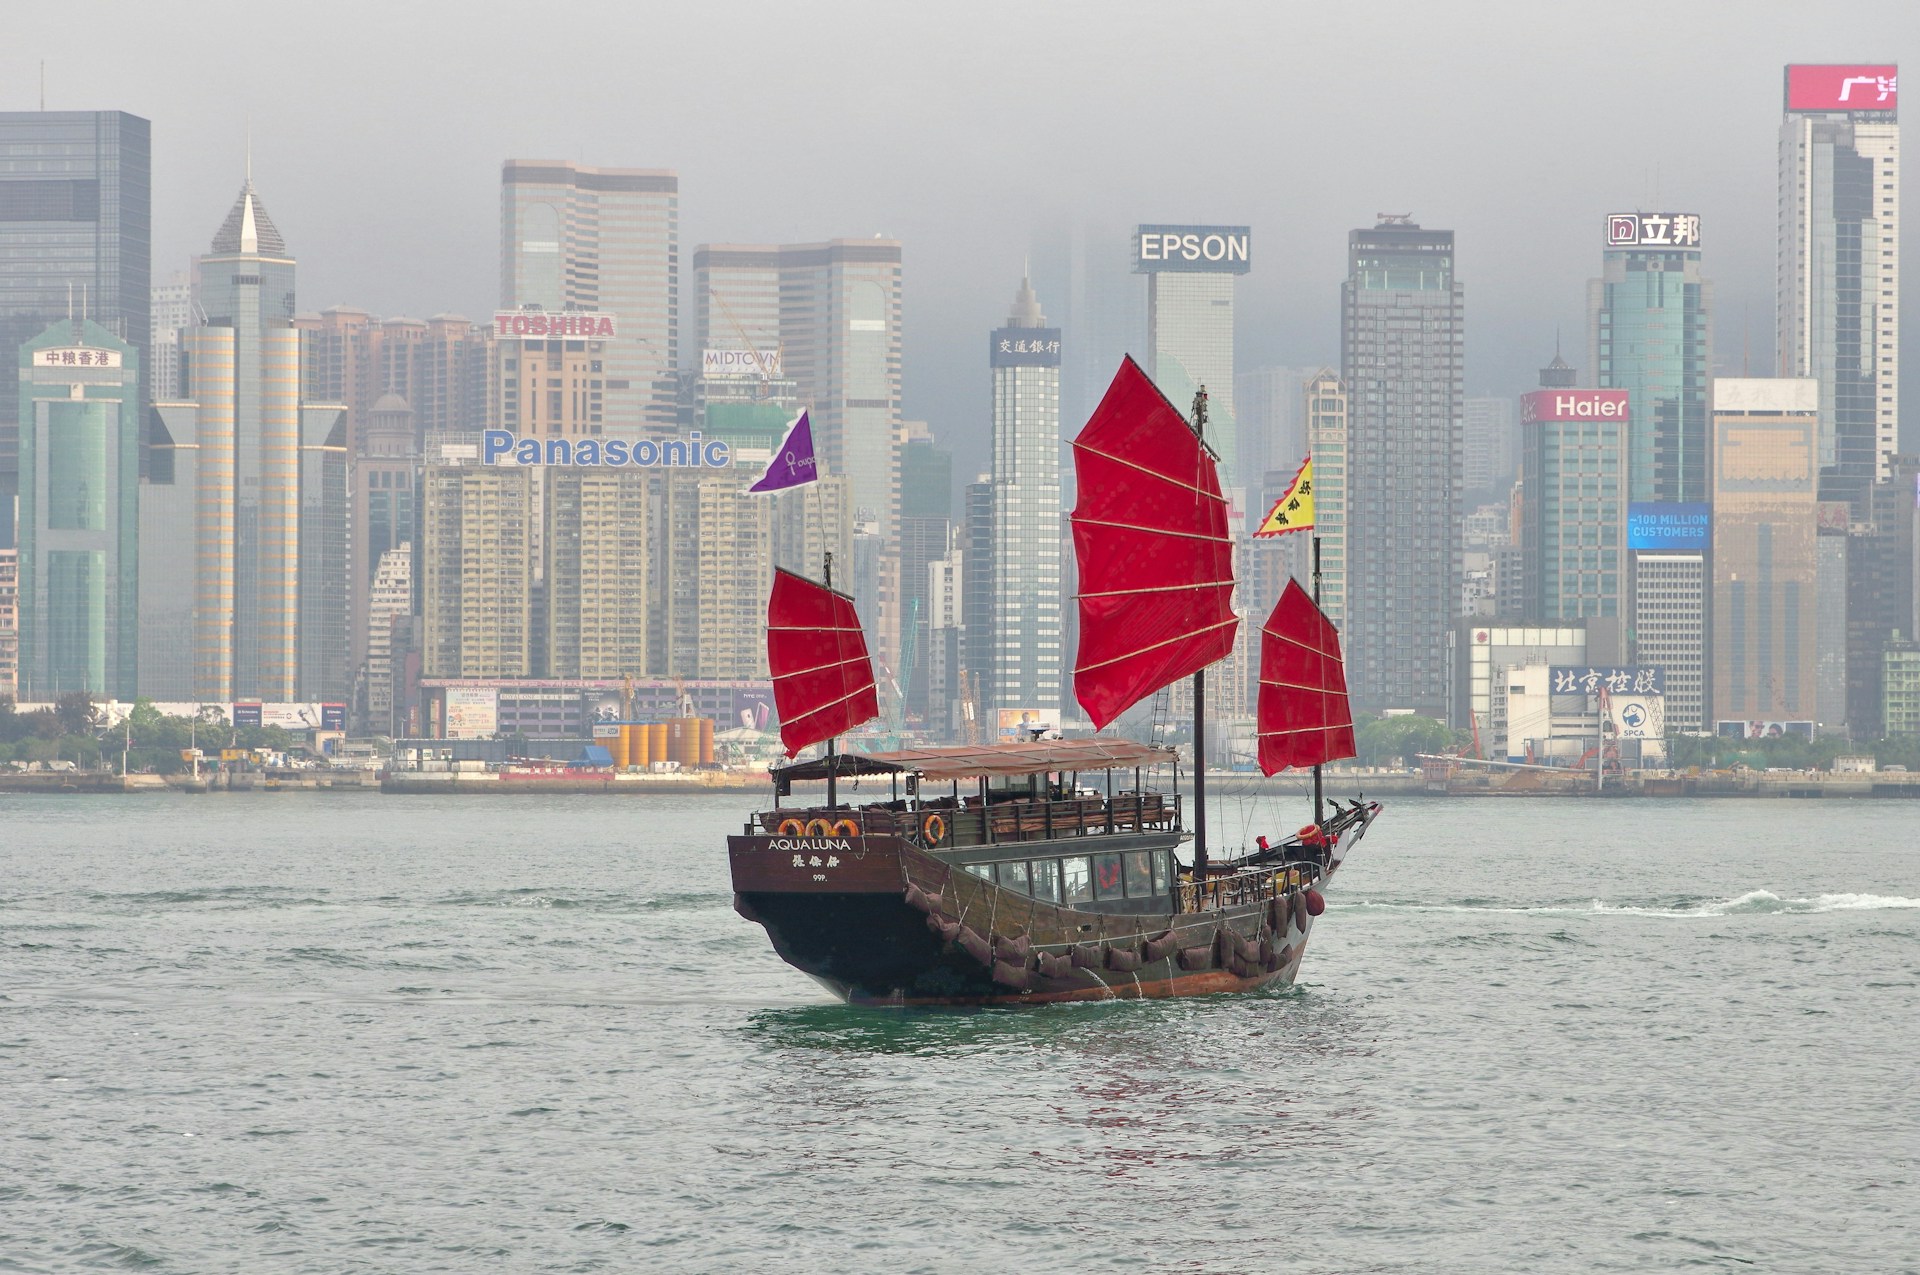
(1751, 903)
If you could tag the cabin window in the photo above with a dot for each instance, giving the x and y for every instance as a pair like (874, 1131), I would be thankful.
(1076, 882)
(1046, 879)
(1162, 875)
(982, 870)
(1139, 873)
(1106, 876)
(1013, 876)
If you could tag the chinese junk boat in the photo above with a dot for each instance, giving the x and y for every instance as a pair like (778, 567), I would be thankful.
(1020, 873)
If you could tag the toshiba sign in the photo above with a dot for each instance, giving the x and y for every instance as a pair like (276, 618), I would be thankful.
(1843, 88)
(542, 325)
(1574, 405)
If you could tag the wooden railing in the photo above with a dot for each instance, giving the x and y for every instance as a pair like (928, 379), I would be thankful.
(1005, 821)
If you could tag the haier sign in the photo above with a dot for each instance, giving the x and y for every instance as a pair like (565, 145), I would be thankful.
(1193, 249)
(1665, 524)
(1573, 405)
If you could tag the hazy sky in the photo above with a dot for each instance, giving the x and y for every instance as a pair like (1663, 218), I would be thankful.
(966, 129)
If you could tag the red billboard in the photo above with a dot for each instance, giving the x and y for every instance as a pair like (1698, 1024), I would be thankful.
(1842, 88)
(1573, 405)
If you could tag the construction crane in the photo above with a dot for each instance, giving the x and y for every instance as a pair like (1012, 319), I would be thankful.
(969, 711)
(909, 650)
(759, 359)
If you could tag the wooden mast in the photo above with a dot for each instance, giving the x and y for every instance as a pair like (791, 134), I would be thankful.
(1200, 700)
(1318, 798)
(833, 764)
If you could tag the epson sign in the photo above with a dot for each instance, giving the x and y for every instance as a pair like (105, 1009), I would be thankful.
(1194, 249)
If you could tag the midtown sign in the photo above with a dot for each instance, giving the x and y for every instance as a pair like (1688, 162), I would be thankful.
(502, 447)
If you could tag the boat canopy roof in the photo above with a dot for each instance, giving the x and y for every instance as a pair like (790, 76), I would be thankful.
(942, 764)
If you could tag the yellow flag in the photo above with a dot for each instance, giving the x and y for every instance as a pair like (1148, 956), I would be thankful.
(1294, 510)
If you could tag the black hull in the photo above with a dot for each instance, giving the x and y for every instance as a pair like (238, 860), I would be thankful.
(889, 924)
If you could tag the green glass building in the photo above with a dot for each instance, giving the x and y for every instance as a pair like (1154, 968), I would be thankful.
(1649, 333)
(79, 513)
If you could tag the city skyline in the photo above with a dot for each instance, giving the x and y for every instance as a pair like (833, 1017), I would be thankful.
(1711, 148)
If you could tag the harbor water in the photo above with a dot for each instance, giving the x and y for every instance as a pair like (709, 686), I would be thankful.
(334, 1033)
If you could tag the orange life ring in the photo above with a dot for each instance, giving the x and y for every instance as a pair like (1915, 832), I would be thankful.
(934, 829)
(1310, 835)
(819, 828)
(792, 827)
(846, 828)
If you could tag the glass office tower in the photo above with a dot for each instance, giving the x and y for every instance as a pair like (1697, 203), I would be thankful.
(79, 496)
(1649, 333)
(1402, 359)
(75, 242)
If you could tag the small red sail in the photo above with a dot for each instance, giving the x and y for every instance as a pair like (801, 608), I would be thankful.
(1156, 562)
(822, 678)
(1303, 715)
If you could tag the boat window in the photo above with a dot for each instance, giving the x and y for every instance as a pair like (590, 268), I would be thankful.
(1076, 882)
(1046, 879)
(1139, 873)
(1162, 876)
(982, 870)
(1013, 876)
(1106, 876)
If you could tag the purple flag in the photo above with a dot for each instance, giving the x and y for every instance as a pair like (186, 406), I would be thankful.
(792, 462)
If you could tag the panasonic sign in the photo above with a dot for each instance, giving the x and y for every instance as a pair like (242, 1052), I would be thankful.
(1194, 249)
(502, 447)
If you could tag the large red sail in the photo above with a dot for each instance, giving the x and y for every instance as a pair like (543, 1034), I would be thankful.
(1303, 715)
(822, 678)
(1156, 562)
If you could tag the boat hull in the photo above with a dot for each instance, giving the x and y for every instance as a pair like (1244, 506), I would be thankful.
(879, 921)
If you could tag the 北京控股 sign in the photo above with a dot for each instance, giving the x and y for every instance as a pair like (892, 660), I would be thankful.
(1574, 405)
(545, 325)
(1653, 230)
(1843, 88)
(1195, 249)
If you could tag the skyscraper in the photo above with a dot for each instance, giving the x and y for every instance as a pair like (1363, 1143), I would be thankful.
(440, 366)
(604, 240)
(172, 311)
(79, 415)
(475, 569)
(1765, 500)
(1649, 332)
(1489, 446)
(75, 241)
(1836, 295)
(1190, 272)
(271, 498)
(926, 540)
(1326, 410)
(243, 370)
(1402, 356)
(1573, 445)
(383, 512)
(1027, 657)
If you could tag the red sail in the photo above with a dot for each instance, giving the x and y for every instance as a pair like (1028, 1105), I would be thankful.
(1156, 562)
(1303, 715)
(822, 678)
